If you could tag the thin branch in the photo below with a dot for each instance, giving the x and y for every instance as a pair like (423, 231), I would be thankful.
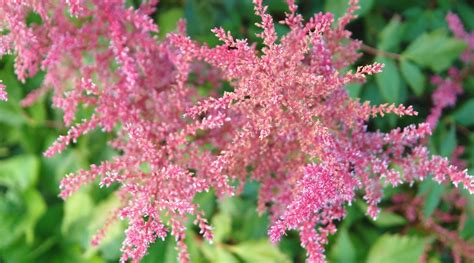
(378, 52)
(47, 123)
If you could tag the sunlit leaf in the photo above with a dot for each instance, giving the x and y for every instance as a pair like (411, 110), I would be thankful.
(258, 251)
(464, 115)
(343, 250)
(435, 50)
(413, 76)
(396, 249)
(388, 80)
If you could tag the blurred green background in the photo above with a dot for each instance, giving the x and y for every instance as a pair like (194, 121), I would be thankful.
(37, 226)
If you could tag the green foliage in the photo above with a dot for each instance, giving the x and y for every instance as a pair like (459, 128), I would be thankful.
(434, 50)
(464, 115)
(343, 251)
(222, 223)
(389, 80)
(413, 76)
(432, 192)
(396, 249)
(339, 7)
(259, 251)
(168, 19)
(36, 226)
(391, 35)
(21, 205)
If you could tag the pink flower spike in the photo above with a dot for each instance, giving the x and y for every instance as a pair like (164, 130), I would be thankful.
(3, 93)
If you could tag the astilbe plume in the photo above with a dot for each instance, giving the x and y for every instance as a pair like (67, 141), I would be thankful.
(450, 87)
(459, 32)
(445, 94)
(289, 117)
(105, 57)
(454, 212)
(307, 140)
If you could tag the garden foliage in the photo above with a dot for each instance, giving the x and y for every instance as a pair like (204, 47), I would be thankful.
(278, 111)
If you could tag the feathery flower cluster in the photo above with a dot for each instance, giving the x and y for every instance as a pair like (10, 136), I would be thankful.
(103, 56)
(445, 94)
(450, 87)
(458, 30)
(289, 117)
(307, 140)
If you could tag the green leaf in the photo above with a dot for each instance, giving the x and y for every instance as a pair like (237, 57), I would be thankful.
(69, 162)
(161, 251)
(19, 213)
(9, 79)
(388, 219)
(339, 7)
(11, 114)
(433, 192)
(281, 30)
(171, 254)
(259, 251)
(365, 7)
(413, 76)
(206, 201)
(371, 93)
(37, 111)
(253, 226)
(194, 243)
(19, 172)
(415, 24)
(468, 230)
(354, 214)
(222, 224)
(36, 206)
(388, 80)
(224, 256)
(466, 12)
(391, 35)
(354, 90)
(384, 219)
(111, 243)
(77, 208)
(464, 115)
(470, 154)
(231, 206)
(168, 19)
(449, 142)
(396, 249)
(200, 17)
(16, 252)
(343, 250)
(434, 259)
(215, 254)
(435, 50)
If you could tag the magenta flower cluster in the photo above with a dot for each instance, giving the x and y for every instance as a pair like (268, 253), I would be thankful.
(451, 86)
(288, 117)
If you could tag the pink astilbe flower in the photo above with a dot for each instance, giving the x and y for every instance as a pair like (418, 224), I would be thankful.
(451, 86)
(306, 138)
(114, 65)
(289, 118)
(438, 224)
(445, 95)
(459, 32)
(3, 93)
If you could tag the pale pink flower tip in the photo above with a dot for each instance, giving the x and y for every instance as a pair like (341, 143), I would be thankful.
(3, 93)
